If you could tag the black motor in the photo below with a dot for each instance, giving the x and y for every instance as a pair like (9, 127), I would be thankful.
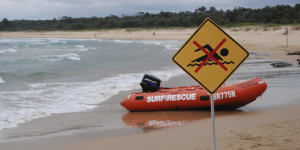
(150, 83)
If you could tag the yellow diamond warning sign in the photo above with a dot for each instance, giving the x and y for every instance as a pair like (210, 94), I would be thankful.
(210, 56)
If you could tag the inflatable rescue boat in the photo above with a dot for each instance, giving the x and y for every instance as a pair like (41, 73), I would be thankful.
(155, 98)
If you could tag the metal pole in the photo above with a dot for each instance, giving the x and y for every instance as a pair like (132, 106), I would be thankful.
(212, 110)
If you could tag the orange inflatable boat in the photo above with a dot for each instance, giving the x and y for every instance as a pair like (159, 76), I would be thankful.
(154, 98)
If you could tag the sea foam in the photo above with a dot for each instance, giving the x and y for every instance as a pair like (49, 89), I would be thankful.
(167, 44)
(1, 80)
(45, 99)
(53, 58)
(81, 48)
(9, 50)
(124, 41)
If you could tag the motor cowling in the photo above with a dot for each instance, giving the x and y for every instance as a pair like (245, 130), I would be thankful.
(150, 83)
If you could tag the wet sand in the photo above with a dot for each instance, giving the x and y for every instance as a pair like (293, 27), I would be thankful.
(274, 128)
(270, 128)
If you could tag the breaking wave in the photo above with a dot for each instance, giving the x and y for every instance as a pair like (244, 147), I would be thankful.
(1, 80)
(10, 50)
(45, 99)
(81, 48)
(53, 58)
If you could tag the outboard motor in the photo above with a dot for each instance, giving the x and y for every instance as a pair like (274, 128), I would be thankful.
(150, 83)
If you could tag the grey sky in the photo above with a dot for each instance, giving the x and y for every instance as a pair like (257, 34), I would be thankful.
(48, 9)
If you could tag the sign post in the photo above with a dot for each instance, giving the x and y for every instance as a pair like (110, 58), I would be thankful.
(210, 56)
(212, 111)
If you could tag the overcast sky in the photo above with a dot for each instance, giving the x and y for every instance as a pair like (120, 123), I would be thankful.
(48, 9)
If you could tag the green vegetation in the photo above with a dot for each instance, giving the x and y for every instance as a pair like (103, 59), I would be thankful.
(280, 14)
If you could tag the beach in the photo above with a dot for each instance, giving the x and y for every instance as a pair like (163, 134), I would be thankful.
(254, 39)
(265, 129)
(274, 127)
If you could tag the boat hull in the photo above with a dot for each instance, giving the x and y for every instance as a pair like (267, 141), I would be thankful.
(195, 97)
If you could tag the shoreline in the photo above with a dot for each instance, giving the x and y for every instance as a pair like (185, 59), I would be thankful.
(270, 41)
(232, 128)
(233, 134)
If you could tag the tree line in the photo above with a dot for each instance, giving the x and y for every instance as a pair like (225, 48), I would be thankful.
(280, 14)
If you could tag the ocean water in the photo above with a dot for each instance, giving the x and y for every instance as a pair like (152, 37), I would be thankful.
(42, 77)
